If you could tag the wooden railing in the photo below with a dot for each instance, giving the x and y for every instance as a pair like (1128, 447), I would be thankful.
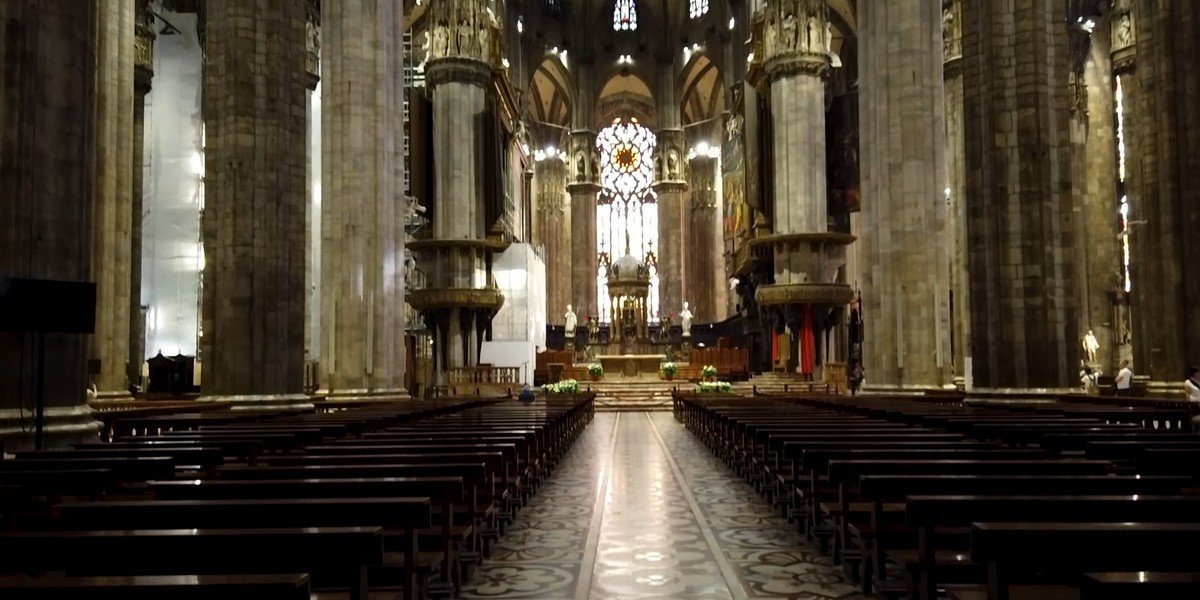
(484, 374)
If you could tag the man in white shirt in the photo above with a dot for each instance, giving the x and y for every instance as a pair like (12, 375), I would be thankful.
(1124, 379)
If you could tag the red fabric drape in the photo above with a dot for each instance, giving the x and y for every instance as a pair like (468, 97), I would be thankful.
(807, 342)
(774, 348)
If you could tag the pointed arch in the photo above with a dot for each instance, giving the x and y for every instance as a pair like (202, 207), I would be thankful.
(702, 90)
(548, 99)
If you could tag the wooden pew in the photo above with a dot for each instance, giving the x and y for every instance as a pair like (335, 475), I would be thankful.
(1140, 584)
(1063, 551)
(936, 518)
(334, 556)
(403, 515)
(157, 587)
(443, 492)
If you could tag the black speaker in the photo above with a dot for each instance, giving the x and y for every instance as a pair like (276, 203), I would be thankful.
(47, 306)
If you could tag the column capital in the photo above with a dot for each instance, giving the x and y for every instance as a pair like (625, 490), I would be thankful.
(463, 29)
(951, 30)
(1124, 37)
(457, 69)
(584, 165)
(312, 43)
(670, 166)
(143, 48)
(796, 38)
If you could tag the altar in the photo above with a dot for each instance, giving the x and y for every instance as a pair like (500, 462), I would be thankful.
(631, 365)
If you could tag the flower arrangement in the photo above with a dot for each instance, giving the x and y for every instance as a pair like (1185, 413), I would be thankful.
(709, 372)
(596, 371)
(669, 369)
(566, 386)
(714, 387)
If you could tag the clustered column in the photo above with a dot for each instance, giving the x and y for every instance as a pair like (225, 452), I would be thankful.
(362, 299)
(1024, 326)
(906, 271)
(671, 189)
(555, 233)
(48, 64)
(1162, 100)
(583, 190)
(460, 297)
(113, 187)
(706, 285)
(956, 174)
(143, 60)
(796, 65)
(252, 345)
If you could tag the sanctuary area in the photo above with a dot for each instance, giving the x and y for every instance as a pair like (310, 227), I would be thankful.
(599, 298)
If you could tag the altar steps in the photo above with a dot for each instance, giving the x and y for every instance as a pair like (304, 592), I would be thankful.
(773, 383)
(642, 395)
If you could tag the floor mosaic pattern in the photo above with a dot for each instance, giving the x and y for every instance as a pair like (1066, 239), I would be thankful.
(640, 509)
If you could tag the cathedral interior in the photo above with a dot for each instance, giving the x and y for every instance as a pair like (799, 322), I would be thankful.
(599, 299)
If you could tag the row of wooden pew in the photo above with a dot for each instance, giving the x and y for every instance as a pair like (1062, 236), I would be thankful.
(943, 499)
(402, 497)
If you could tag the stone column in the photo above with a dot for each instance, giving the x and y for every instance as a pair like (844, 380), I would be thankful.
(583, 189)
(554, 218)
(47, 68)
(956, 174)
(361, 206)
(312, 200)
(460, 297)
(253, 220)
(906, 272)
(705, 257)
(143, 74)
(1162, 101)
(1024, 325)
(1093, 138)
(796, 67)
(671, 189)
(113, 185)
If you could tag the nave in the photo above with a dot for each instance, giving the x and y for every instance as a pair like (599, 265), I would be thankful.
(639, 508)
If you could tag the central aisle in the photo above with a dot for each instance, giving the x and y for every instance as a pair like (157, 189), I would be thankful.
(640, 509)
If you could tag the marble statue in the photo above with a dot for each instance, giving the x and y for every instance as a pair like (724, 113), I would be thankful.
(790, 35)
(580, 166)
(1124, 30)
(464, 38)
(484, 42)
(571, 320)
(685, 320)
(814, 34)
(772, 36)
(829, 39)
(441, 40)
(673, 164)
(1090, 346)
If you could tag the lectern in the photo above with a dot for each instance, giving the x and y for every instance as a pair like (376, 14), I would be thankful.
(41, 306)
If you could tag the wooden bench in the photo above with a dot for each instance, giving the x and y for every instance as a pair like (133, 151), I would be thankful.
(334, 556)
(403, 515)
(157, 587)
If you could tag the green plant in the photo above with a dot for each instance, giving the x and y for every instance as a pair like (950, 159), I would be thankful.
(709, 371)
(669, 369)
(596, 370)
(714, 387)
(566, 386)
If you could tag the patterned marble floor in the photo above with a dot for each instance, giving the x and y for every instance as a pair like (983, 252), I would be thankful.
(640, 509)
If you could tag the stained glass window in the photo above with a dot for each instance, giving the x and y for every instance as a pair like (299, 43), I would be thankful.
(625, 16)
(1123, 207)
(697, 8)
(626, 213)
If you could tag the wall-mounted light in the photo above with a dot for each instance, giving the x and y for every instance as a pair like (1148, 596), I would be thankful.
(520, 24)
(732, 23)
(624, 59)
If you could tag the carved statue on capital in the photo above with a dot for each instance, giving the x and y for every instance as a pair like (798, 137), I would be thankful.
(463, 29)
(951, 30)
(312, 38)
(796, 32)
(1124, 36)
(143, 49)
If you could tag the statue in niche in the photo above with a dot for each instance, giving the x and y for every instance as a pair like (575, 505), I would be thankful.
(484, 42)
(441, 40)
(685, 320)
(772, 35)
(593, 327)
(580, 166)
(1124, 30)
(571, 322)
(464, 38)
(673, 164)
(829, 39)
(814, 34)
(1090, 346)
(790, 34)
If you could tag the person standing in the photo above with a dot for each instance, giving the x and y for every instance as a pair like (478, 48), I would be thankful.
(1088, 379)
(1125, 379)
(1192, 386)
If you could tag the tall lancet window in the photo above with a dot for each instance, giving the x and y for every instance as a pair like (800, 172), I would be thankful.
(626, 212)
(697, 8)
(1123, 202)
(625, 16)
